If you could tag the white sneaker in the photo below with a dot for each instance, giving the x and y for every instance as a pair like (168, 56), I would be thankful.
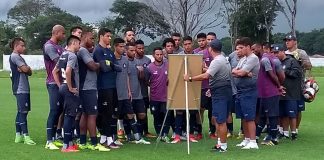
(142, 141)
(243, 143)
(118, 143)
(251, 145)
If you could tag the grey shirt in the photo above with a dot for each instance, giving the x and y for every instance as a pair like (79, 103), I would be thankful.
(233, 59)
(144, 62)
(21, 83)
(135, 86)
(248, 64)
(180, 49)
(88, 78)
(220, 71)
(121, 79)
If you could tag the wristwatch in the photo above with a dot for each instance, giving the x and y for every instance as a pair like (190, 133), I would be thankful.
(190, 79)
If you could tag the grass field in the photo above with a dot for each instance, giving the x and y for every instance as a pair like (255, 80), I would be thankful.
(308, 146)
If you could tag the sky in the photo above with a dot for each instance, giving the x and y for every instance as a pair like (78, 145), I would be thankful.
(309, 13)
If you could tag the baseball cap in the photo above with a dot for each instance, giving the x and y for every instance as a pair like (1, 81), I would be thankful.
(277, 48)
(216, 45)
(290, 37)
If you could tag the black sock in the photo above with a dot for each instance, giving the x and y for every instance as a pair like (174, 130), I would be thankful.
(230, 127)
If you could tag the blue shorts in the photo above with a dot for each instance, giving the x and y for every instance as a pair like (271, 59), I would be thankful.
(205, 102)
(157, 107)
(55, 98)
(245, 106)
(23, 102)
(89, 101)
(221, 103)
(301, 105)
(124, 107)
(71, 102)
(288, 108)
(138, 106)
(269, 107)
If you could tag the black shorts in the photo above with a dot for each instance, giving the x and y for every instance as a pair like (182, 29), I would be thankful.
(146, 102)
(157, 107)
(23, 102)
(205, 101)
(89, 102)
(232, 105)
(71, 102)
(107, 101)
(124, 107)
(138, 106)
(269, 107)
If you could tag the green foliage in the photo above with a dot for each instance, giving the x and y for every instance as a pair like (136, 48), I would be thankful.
(227, 45)
(149, 48)
(7, 33)
(39, 30)
(26, 11)
(138, 16)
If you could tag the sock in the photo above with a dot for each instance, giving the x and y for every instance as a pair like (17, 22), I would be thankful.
(223, 146)
(18, 128)
(286, 133)
(109, 140)
(199, 128)
(77, 128)
(23, 123)
(140, 123)
(294, 132)
(253, 141)
(83, 139)
(247, 139)
(70, 143)
(297, 130)
(18, 134)
(94, 140)
(218, 141)
(103, 138)
(280, 130)
(59, 131)
(137, 136)
(133, 125)
(68, 122)
(65, 146)
(230, 127)
(120, 124)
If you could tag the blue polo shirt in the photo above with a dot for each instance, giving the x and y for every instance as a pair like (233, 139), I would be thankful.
(107, 76)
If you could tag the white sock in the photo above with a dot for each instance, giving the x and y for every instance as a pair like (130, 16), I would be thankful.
(247, 139)
(109, 140)
(120, 124)
(280, 130)
(223, 145)
(18, 134)
(253, 141)
(218, 141)
(103, 139)
(297, 130)
(286, 133)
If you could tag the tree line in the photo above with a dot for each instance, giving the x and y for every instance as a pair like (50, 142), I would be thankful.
(157, 19)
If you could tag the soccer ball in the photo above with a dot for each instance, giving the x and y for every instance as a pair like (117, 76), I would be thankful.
(309, 94)
(310, 83)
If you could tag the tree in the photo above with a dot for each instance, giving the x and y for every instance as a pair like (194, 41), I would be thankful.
(189, 17)
(39, 30)
(138, 16)
(289, 9)
(7, 33)
(26, 11)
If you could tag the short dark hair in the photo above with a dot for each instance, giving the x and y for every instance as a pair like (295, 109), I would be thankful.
(176, 34)
(128, 29)
(266, 45)
(15, 41)
(211, 34)
(187, 38)
(103, 31)
(72, 38)
(168, 40)
(245, 41)
(73, 29)
(130, 44)
(201, 35)
(118, 41)
(139, 42)
(157, 49)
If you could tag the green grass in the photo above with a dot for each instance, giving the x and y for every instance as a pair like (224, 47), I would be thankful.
(309, 145)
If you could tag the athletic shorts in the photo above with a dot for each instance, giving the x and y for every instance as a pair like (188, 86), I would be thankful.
(89, 102)
(138, 106)
(124, 107)
(269, 107)
(23, 102)
(245, 106)
(146, 102)
(288, 108)
(205, 101)
(157, 107)
(71, 102)
(221, 103)
(301, 105)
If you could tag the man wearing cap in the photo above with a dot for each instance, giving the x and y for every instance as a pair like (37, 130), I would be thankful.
(303, 58)
(269, 91)
(218, 73)
(288, 102)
